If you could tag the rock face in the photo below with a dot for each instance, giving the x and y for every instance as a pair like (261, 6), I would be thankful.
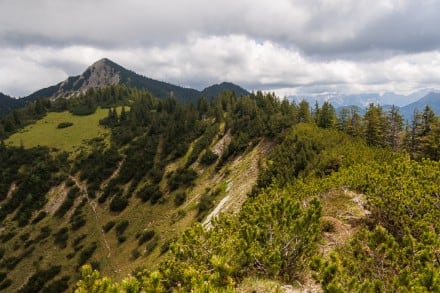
(99, 74)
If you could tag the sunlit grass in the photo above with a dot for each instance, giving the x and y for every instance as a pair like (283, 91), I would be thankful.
(45, 132)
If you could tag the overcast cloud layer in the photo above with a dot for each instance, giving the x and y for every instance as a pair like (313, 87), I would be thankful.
(292, 47)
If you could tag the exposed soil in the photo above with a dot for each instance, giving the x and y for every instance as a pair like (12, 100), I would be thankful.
(11, 190)
(242, 178)
(222, 143)
(56, 196)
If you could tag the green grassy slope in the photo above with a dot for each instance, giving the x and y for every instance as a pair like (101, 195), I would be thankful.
(45, 132)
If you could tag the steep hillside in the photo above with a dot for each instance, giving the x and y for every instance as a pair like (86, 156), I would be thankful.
(118, 201)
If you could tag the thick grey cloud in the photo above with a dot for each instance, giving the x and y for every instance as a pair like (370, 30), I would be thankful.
(308, 46)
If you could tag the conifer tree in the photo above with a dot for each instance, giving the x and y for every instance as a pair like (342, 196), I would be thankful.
(304, 112)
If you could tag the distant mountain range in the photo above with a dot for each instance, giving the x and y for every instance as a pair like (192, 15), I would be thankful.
(406, 103)
(104, 73)
(432, 99)
(363, 100)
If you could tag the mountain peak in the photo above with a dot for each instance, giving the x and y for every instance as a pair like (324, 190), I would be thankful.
(104, 62)
(103, 72)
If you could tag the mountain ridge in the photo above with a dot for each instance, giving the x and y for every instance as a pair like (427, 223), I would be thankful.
(105, 72)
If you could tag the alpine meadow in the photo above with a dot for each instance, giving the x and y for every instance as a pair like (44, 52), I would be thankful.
(320, 172)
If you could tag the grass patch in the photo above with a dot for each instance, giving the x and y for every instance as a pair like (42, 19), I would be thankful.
(46, 131)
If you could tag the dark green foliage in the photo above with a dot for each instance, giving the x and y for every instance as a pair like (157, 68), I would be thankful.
(122, 238)
(83, 105)
(121, 227)
(118, 203)
(272, 237)
(98, 165)
(166, 245)
(397, 251)
(86, 253)
(208, 157)
(179, 198)
(135, 254)
(64, 125)
(139, 159)
(2, 252)
(44, 233)
(34, 173)
(10, 262)
(181, 178)
(108, 226)
(77, 240)
(60, 285)
(151, 245)
(61, 237)
(39, 279)
(7, 236)
(202, 143)
(25, 236)
(78, 218)
(19, 118)
(145, 236)
(309, 150)
(326, 117)
(41, 215)
(148, 192)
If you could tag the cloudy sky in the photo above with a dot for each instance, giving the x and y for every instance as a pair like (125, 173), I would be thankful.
(290, 46)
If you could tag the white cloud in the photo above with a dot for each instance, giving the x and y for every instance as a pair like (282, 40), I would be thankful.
(308, 46)
(201, 61)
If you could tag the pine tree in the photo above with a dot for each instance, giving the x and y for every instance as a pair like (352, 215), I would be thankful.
(355, 125)
(394, 128)
(304, 112)
(327, 117)
(373, 127)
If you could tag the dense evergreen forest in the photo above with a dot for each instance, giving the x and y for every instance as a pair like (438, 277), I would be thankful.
(282, 228)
